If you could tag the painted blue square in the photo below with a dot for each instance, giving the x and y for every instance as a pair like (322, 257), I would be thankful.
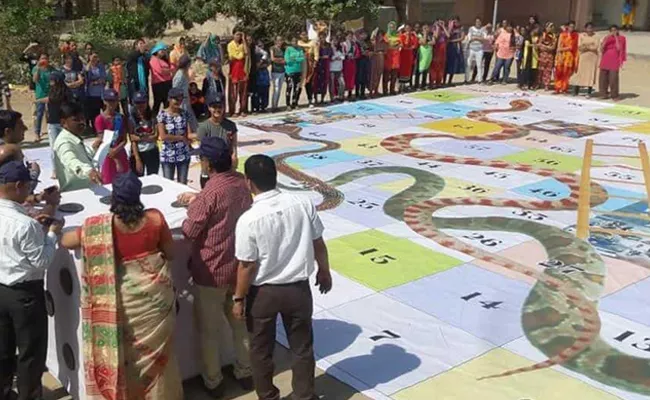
(450, 110)
(365, 108)
(547, 189)
(478, 301)
(365, 207)
(309, 146)
(640, 207)
(314, 160)
(469, 148)
(613, 203)
(631, 302)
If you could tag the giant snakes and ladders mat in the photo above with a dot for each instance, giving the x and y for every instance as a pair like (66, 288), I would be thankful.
(450, 220)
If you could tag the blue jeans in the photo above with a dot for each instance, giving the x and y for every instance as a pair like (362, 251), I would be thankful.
(182, 170)
(53, 131)
(502, 63)
(277, 80)
(39, 113)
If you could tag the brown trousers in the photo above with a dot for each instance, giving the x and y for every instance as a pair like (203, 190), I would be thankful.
(294, 304)
(608, 83)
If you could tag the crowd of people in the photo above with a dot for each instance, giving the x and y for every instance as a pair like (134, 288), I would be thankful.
(244, 271)
(242, 267)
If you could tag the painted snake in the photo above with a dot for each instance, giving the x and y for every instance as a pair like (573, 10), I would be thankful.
(560, 315)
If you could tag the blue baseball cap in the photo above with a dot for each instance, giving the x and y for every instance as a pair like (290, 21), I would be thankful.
(14, 171)
(140, 97)
(111, 95)
(214, 149)
(127, 188)
(175, 93)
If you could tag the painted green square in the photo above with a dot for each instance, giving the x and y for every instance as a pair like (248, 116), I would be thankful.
(381, 261)
(240, 163)
(620, 110)
(548, 160)
(444, 96)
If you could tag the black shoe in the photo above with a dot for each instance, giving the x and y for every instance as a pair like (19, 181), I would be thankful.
(246, 383)
(217, 392)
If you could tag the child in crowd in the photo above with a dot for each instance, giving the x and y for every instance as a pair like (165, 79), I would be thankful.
(260, 99)
(197, 100)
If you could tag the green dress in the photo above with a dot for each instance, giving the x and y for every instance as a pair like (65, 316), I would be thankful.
(425, 55)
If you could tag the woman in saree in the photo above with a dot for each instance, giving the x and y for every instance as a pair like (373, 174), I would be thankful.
(177, 52)
(409, 41)
(379, 47)
(128, 302)
(547, 45)
(352, 54)
(392, 60)
(439, 62)
(588, 62)
(566, 61)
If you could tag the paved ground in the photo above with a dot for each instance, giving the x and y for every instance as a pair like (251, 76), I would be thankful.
(636, 91)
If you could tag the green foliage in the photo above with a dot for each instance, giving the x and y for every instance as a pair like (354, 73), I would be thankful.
(22, 21)
(268, 18)
(123, 24)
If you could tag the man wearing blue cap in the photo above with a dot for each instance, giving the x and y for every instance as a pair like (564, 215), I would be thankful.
(211, 219)
(26, 253)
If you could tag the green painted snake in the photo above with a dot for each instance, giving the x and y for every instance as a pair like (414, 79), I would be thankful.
(560, 315)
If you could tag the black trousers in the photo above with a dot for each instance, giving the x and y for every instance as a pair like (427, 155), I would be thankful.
(160, 91)
(293, 302)
(150, 162)
(293, 87)
(23, 325)
(260, 99)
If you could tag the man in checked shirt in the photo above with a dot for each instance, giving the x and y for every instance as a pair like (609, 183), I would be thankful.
(5, 91)
(210, 225)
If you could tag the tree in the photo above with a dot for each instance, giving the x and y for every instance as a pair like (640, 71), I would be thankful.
(22, 21)
(267, 18)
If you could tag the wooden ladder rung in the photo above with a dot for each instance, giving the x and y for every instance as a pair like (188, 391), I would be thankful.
(623, 214)
(625, 146)
(637, 199)
(615, 155)
(618, 181)
(617, 231)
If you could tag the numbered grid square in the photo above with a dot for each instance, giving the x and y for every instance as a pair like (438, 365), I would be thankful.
(480, 302)
(381, 261)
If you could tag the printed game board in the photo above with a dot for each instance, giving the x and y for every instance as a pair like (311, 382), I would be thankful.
(450, 220)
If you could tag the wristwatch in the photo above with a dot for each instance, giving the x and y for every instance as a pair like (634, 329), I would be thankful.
(238, 299)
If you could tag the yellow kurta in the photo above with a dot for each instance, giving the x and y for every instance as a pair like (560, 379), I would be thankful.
(588, 65)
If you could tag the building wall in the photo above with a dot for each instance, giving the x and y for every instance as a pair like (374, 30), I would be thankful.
(608, 12)
(516, 11)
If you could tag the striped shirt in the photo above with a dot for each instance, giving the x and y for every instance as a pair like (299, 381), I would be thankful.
(5, 91)
(210, 226)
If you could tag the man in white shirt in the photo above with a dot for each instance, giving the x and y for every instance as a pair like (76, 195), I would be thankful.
(277, 243)
(26, 251)
(475, 36)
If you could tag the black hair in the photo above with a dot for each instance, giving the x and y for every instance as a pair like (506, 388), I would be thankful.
(589, 24)
(58, 92)
(571, 23)
(70, 110)
(613, 26)
(223, 165)
(8, 120)
(136, 41)
(117, 58)
(89, 44)
(129, 214)
(260, 169)
(184, 62)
